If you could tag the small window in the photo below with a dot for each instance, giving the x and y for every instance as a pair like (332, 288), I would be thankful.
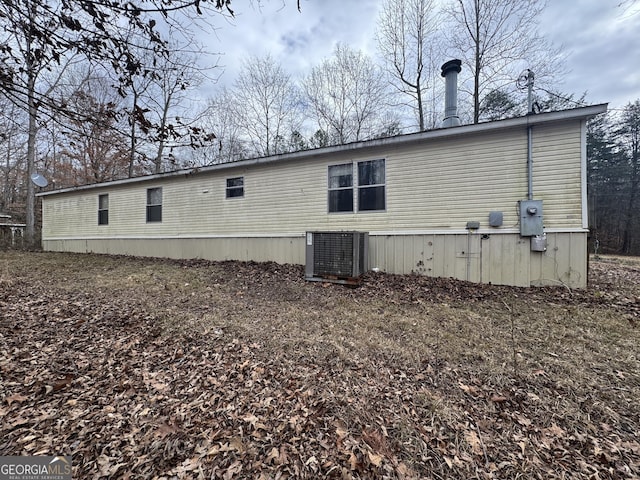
(235, 187)
(154, 204)
(103, 209)
(341, 188)
(371, 185)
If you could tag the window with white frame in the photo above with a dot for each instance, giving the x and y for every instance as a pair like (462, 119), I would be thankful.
(371, 185)
(154, 204)
(235, 187)
(369, 194)
(341, 188)
(103, 209)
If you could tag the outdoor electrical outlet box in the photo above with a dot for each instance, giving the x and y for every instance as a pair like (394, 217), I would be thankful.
(531, 218)
(539, 243)
(471, 225)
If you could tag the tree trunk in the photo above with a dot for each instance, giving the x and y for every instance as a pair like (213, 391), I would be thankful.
(420, 107)
(477, 67)
(635, 182)
(132, 140)
(7, 176)
(625, 248)
(31, 157)
(30, 231)
(163, 132)
(157, 167)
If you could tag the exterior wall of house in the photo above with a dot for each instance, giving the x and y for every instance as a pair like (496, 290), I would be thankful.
(500, 259)
(260, 249)
(433, 188)
(497, 258)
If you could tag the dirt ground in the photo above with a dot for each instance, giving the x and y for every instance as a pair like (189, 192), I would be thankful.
(147, 368)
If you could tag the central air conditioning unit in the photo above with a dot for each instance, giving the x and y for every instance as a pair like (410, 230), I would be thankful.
(339, 257)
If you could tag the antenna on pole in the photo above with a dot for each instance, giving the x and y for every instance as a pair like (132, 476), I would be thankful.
(525, 80)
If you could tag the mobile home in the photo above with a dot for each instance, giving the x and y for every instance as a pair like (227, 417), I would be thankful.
(501, 202)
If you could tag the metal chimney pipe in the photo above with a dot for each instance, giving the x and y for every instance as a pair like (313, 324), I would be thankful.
(530, 79)
(450, 72)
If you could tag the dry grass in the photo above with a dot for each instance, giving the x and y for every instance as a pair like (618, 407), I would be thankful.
(438, 377)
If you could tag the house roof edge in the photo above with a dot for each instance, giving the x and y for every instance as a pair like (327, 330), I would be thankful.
(527, 120)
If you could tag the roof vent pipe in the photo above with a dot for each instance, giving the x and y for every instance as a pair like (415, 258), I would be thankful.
(450, 72)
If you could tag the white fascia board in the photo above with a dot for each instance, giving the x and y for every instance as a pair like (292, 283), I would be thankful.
(580, 113)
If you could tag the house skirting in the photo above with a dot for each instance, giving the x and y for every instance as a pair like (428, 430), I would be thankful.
(497, 258)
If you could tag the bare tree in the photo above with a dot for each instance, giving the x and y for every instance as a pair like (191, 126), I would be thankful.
(220, 119)
(175, 117)
(36, 36)
(496, 39)
(96, 148)
(12, 153)
(21, 79)
(344, 95)
(406, 36)
(159, 114)
(628, 7)
(134, 89)
(266, 104)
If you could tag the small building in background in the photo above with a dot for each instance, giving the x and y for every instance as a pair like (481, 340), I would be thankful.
(11, 233)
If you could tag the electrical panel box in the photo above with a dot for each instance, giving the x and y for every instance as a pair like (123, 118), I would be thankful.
(531, 218)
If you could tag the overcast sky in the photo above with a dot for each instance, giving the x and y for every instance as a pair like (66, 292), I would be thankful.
(601, 40)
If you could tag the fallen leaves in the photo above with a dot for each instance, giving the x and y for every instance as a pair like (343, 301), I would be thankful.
(473, 440)
(15, 398)
(97, 374)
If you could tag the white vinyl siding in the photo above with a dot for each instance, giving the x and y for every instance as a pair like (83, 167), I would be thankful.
(556, 174)
(439, 185)
(443, 188)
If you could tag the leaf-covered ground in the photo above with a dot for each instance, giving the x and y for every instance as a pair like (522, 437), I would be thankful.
(144, 368)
